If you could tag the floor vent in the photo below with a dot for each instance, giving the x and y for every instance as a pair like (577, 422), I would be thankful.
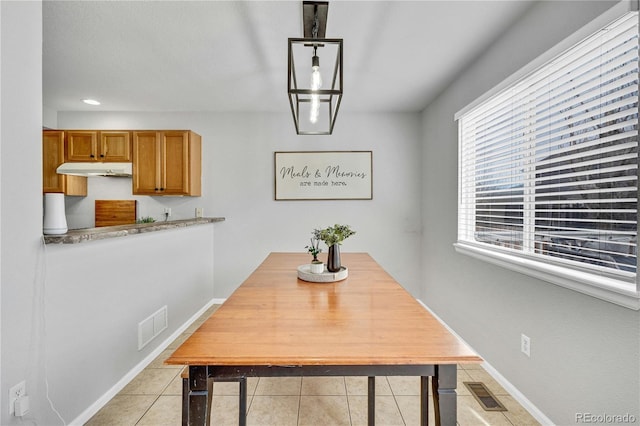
(484, 396)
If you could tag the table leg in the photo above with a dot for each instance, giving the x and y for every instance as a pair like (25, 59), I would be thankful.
(209, 397)
(198, 399)
(185, 402)
(242, 414)
(444, 394)
(371, 402)
(424, 401)
(436, 397)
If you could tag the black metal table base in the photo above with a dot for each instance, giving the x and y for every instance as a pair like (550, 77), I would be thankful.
(197, 390)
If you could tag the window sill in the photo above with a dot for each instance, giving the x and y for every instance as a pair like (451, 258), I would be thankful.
(605, 288)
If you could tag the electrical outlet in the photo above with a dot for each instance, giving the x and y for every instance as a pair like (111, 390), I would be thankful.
(167, 211)
(199, 212)
(21, 406)
(525, 345)
(14, 393)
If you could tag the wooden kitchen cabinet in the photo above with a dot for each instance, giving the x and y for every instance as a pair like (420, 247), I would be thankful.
(98, 145)
(53, 143)
(167, 163)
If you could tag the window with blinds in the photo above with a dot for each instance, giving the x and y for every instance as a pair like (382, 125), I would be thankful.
(548, 167)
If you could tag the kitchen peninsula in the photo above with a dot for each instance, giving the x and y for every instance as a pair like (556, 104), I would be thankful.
(101, 289)
(91, 234)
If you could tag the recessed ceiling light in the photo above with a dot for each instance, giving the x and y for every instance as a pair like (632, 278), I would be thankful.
(91, 102)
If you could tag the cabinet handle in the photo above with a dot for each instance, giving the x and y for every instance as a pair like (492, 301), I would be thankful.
(101, 155)
(92, 156)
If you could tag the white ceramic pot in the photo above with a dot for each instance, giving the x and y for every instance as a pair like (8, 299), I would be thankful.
(317, 268)
(55, 221)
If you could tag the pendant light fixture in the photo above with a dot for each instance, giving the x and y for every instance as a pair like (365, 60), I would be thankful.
(315, 73)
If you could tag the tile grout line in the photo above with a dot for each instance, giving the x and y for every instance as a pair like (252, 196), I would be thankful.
(508, 419)
(404, 422)
(299, 402)
(146, 411)
(157, 397)
(253, 395)
(346, 394)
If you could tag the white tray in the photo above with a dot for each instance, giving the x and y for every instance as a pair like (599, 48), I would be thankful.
(305, 274)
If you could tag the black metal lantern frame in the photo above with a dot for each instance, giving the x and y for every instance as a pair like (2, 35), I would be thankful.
(303, 54)
(314, 105)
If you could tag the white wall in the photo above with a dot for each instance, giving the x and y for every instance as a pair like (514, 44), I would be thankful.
(20, 187)
(238, 185)
(584, 352)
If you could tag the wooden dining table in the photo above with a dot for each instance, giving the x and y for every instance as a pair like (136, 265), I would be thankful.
(276, 324)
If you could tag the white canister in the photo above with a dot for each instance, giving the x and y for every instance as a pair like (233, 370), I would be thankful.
(317, 268)
(55, 221)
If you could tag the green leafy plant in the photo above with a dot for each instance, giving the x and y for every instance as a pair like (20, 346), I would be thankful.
(335, 234)
(314, 248)
(146, 219)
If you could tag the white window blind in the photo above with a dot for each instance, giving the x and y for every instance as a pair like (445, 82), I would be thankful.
(548, 166)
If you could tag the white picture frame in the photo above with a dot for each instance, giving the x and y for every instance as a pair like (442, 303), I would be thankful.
(323, 175)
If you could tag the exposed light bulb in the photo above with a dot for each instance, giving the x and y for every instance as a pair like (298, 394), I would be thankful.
(316, 84)
(316, 78)
(315, 109)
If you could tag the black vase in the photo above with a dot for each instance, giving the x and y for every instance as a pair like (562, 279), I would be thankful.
(333, 259)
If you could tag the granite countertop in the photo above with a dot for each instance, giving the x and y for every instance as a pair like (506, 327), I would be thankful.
(75, 236)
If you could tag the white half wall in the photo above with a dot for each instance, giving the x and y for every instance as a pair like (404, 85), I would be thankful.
(585, 352)
(96, 293)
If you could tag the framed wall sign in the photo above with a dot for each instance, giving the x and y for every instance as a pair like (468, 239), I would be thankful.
(323, 175)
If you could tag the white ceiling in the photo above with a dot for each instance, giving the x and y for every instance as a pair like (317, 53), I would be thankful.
(232, 55)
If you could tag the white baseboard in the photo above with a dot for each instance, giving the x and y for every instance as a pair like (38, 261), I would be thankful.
(104, 399)
(517, 395)
(513, 391)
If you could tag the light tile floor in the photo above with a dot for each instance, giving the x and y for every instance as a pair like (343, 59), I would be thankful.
(154, 398)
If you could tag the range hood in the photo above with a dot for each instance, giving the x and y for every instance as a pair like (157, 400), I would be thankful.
(96, 169)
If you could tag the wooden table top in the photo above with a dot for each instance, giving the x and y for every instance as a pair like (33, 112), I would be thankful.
(274, 318)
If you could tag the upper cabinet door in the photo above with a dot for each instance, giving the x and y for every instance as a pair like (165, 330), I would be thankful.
(52, 157)
(146, 163)
(167, 163)
(92, 145)
(115, 146)
(82, 145)
(175, 155)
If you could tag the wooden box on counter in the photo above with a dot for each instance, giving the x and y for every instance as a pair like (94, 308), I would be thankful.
(115, 212)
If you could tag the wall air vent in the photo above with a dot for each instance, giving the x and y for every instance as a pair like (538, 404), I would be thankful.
(152, 326)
